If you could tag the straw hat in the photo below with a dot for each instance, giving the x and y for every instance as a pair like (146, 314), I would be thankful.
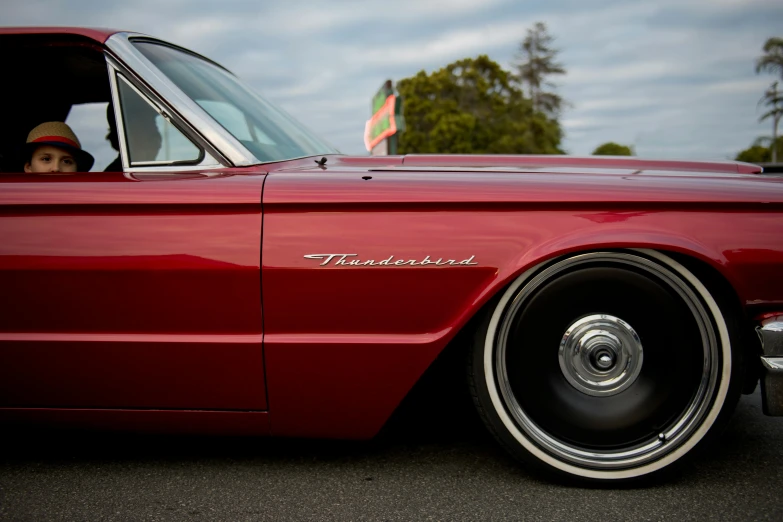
(59, 134)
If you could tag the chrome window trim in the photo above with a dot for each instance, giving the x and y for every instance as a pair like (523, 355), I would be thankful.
(118, 122)
(140, 164)
(168, 168)
(208, 160)
(188, 110)
(212, 157)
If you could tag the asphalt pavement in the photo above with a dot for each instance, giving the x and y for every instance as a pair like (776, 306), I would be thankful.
(421, 468)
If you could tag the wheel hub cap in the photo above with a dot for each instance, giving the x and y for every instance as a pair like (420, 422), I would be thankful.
(600, 355)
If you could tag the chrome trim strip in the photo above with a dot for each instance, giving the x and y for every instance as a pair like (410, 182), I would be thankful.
(772, 364)
(374, 339)
(49, 337)
(148, 172)
(770, 333)
(225, 143)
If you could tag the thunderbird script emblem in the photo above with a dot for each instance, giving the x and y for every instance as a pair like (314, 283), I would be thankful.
(346, 260)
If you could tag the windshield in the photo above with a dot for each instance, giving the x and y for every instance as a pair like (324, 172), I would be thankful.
(264, 129)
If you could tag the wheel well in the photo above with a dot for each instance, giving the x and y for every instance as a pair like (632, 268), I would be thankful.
(730, 303)
(440, 402)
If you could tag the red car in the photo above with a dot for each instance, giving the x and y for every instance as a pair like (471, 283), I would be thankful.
(232, 273)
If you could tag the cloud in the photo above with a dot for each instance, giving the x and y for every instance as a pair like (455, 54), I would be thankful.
(671, 77)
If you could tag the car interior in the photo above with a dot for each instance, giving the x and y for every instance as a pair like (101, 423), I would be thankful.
(49, 80)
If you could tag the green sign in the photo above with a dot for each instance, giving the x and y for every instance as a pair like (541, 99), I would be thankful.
(386, 118)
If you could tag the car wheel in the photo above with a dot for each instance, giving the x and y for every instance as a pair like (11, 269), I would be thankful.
(605, 366)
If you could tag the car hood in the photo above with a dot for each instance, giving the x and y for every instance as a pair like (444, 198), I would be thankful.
(517, 179)
(619, 165)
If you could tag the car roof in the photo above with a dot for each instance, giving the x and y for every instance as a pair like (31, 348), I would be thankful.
(99, 35)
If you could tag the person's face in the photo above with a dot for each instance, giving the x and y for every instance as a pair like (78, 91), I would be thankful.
(47, 158)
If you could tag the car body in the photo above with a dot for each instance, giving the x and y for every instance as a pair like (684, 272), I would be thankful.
(265, 284)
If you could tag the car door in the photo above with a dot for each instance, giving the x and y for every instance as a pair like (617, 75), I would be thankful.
(133, 290)
(123, 294)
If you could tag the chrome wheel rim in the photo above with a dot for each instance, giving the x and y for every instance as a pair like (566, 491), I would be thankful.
(638, 451)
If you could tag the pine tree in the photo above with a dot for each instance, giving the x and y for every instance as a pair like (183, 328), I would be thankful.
(536, 62)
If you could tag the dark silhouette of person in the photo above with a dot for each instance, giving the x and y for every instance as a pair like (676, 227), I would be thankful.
(116, 165)
(141, 133)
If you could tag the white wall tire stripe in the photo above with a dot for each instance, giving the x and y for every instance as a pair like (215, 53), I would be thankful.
(684, 448)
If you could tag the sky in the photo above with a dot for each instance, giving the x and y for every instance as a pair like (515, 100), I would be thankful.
(672, 78)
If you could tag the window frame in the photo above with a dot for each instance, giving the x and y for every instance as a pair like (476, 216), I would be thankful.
(209, 158)
(119, 77)
(201, 128)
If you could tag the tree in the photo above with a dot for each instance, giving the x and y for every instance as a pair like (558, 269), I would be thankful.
(536, 61)
(772, 61)
(773, 99)
(471, 106)
(613, 149)
(755, 154)
(761, 151)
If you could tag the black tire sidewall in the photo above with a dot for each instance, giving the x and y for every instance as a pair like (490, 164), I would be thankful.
(487, 410)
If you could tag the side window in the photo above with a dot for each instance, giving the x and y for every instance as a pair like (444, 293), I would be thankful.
(88, 121)
(80, 99)
(149, 137)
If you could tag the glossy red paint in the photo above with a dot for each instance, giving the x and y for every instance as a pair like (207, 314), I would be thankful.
(344, 182)
(100, 35)
(121, 293)
(528, 161)
(344, 344)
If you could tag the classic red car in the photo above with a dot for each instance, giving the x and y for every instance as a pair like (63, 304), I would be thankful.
(235, 274)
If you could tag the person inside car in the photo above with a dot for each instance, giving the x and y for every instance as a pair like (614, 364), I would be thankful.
(143, 136)
(114, 140)
(52, 147)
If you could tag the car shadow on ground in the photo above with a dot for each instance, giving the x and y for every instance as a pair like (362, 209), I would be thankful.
(433, 427)
(438, 411)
